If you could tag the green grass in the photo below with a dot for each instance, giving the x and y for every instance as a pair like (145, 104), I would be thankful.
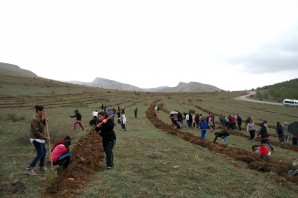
(148, 162)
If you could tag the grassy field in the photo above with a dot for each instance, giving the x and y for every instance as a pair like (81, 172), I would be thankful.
(148, 162)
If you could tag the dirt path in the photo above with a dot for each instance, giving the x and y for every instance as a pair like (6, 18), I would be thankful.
(247, 99)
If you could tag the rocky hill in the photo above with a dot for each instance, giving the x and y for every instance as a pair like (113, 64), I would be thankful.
(13, 70)
(181, 87)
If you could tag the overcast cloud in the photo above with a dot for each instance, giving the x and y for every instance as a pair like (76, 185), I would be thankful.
(280, 55)
(154, 43)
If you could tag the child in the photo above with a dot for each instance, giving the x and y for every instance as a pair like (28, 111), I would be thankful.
(78, 120)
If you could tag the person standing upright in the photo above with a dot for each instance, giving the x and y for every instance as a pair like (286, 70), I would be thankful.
(265, 137)
(123, 121)
(38, 138)
(78, 120)
(136, 112)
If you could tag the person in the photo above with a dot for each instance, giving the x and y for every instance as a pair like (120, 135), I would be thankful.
(261, 150)
(223, 134)
(239, 121)
(61, 157)
(94, 113)
(118, 117)
(61, 141)
(38, 138)
(108, 137)
(265, 138)
(78, 120)
(136, 112)
(286, 131)
(251, 128)
(280, 132)
(203, 127)
(123, 121)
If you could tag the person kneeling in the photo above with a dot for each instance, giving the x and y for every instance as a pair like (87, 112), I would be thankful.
(61, 155)
(261, 150)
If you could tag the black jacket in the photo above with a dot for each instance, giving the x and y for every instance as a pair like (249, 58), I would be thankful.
(106, 131)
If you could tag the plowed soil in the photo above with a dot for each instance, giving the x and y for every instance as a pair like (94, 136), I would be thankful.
(87, 156)
(254, 161)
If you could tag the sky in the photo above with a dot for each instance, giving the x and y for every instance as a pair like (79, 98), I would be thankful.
(231, 44)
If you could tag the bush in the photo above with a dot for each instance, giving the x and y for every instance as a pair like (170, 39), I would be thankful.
(12, 117)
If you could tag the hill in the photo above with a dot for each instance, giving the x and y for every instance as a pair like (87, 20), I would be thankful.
(181, 87)
(191, 87)
(279, 91)
(153, 158)
(13, 70)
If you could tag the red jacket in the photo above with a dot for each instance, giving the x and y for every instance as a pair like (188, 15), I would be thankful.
(263, 150)
(58, 151)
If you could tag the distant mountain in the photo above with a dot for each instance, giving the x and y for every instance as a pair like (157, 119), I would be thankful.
(181, 87)
(191, 87)
(13, 70)
(108, 84)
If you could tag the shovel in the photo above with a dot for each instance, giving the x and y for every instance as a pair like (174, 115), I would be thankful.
(53, 174)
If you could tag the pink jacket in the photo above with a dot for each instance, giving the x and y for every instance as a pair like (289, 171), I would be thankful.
(58, 151)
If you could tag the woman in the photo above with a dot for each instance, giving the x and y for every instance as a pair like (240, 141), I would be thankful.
(251, 128)
(61, 155)
(37, 138)
(78, 120)
(108, 137)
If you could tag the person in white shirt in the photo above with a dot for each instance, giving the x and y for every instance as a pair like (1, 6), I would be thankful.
(94, 113)
(123, 122)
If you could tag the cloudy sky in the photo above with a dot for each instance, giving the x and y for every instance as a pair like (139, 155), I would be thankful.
(231, 44)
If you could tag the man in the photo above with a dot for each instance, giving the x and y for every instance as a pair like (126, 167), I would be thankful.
(38, 138)
(265, 138)
(108, 137)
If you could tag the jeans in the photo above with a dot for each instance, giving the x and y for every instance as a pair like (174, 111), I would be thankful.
(267, 141)
(63, 160)
(41, 154)
(203, 134)
(108, 148)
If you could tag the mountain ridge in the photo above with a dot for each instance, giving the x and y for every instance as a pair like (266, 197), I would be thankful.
(181, 87)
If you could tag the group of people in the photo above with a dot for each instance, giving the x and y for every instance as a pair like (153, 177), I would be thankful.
(229, 122)
(60, 155)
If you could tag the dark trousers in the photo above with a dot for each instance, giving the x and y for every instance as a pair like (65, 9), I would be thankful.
(41, 154)
(108, 148)
(267, 141)
(64, 160)
(123, 126)
(252, 134)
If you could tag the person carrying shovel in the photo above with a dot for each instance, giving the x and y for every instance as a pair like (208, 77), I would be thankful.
(105, 127)
(38, 138)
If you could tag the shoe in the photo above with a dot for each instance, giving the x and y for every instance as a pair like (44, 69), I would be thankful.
(43, 169)
(109, 167)
(29, 171)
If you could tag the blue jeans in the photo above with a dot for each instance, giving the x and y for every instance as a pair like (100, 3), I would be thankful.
(203, 134)
(41, 154)
(64, 160)
(108, 148)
